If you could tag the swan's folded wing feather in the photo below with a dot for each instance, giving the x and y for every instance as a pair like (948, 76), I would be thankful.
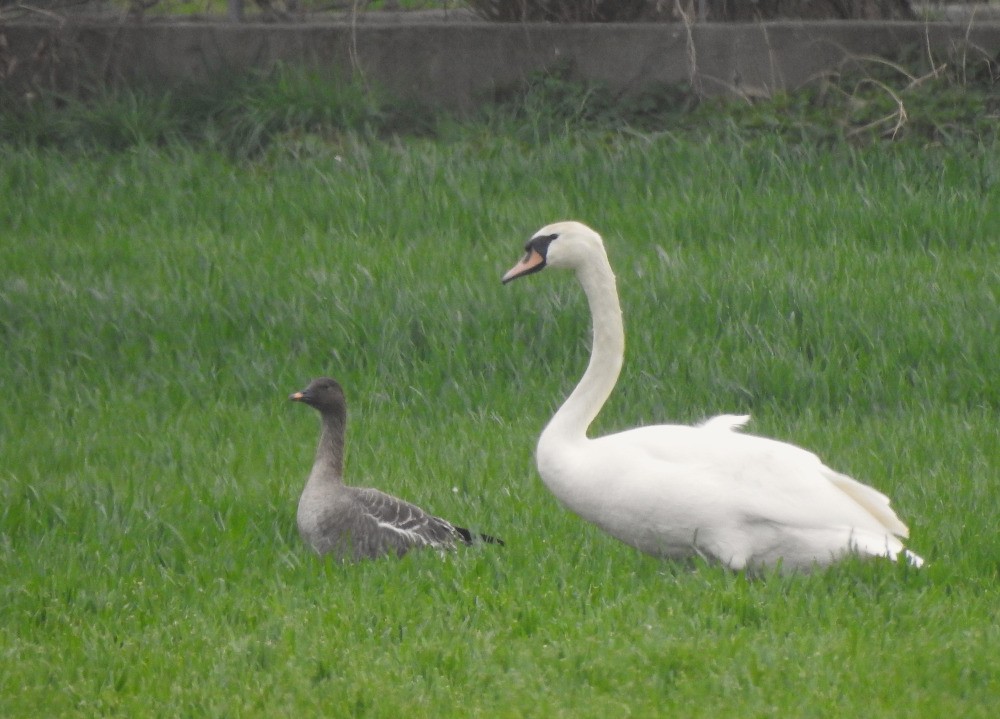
(794, 484)
(871, 499)
(803, 477)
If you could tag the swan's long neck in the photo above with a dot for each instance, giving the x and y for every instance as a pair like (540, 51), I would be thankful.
(328, 466)
(608, 348)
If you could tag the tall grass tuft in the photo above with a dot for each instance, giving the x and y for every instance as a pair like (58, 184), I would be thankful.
(240, 115)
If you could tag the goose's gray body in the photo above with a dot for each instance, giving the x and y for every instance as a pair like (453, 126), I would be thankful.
(354, 523)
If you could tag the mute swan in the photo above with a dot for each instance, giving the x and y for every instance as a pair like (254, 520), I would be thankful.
(354, 522)
(706, 490)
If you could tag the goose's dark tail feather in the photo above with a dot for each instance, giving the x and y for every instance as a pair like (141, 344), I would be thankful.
(469, 538)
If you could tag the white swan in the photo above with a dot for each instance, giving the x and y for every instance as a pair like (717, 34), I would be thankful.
(680, 491)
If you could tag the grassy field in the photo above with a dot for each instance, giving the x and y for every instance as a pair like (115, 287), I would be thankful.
(158, 304)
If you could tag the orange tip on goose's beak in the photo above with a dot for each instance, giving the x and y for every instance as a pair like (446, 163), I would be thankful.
(296, 396)
(532, 262)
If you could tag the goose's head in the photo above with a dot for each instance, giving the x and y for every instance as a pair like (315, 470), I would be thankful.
(323, 394)
(563, 244)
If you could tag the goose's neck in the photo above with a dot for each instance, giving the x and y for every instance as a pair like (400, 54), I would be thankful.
(328, 465)
(607, 351)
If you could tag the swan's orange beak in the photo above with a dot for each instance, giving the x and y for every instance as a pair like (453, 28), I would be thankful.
(532, 262)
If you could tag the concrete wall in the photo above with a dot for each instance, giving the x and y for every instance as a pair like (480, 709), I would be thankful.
(455, 63)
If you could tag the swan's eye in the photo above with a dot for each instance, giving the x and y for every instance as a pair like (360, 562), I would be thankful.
(540, 244)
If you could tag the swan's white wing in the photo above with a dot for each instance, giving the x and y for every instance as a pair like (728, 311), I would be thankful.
(762, 479)
(740, 499)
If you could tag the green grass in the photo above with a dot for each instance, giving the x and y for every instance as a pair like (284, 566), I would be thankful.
(158, 304)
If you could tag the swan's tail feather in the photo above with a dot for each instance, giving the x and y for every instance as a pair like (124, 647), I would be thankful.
(883, 546)
(726, 422)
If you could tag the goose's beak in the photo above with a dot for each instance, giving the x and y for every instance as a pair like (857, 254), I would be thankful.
(297, 396)
(532, 262)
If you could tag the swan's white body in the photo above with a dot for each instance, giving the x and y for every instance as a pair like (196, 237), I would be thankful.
(706, 490)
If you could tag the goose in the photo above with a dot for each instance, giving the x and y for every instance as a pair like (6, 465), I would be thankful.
(354, 523)
(677, 491)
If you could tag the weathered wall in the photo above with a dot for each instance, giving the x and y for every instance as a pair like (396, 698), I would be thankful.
(454, 63)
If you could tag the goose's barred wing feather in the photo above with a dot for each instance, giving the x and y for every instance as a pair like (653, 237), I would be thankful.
(404, 524)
